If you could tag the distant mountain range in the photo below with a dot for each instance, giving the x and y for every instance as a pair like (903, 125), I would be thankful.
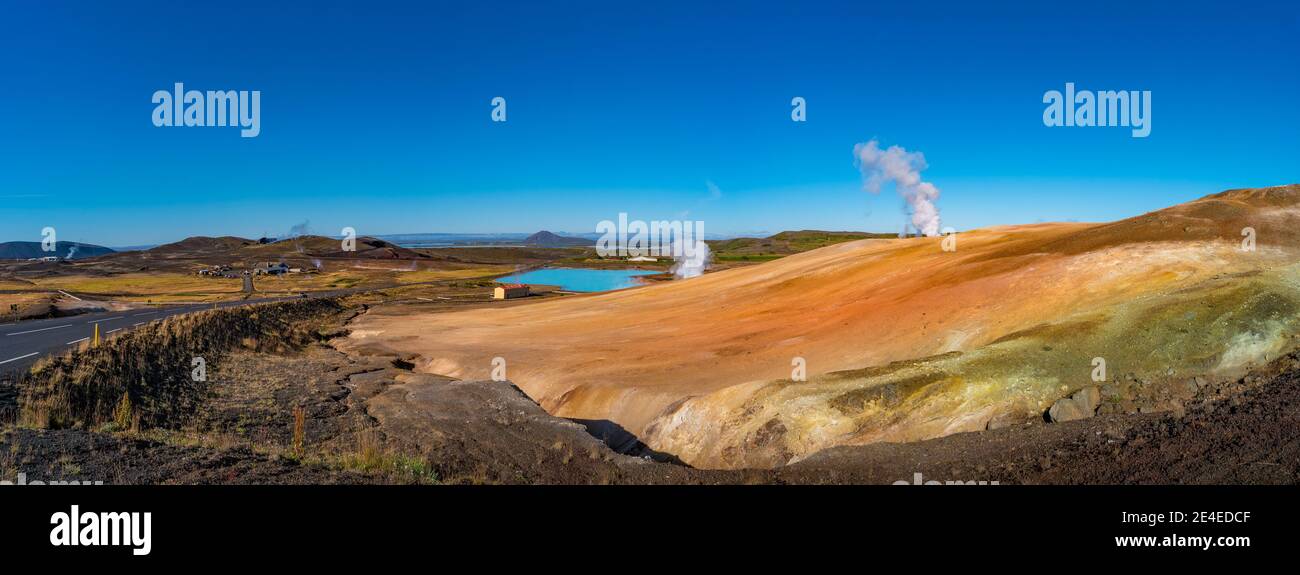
(69, 250)
(443, 240)
(550, 240)
(539, 239)
(23, 250)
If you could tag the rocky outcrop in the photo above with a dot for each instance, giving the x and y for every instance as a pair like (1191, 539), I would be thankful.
(1081, 405)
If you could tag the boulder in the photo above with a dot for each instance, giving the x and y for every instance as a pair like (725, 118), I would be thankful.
(1081, 405)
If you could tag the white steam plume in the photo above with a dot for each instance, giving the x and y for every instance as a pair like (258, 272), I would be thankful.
(902, 167)
(691, 263)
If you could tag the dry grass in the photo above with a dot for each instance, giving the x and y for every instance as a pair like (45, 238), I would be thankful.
(373, 458)
(29, 304)
(371, 274)
(124, 417)
(14, 284)
(299, 435)
(370, 457)
(147, 370)
(166, 287)
(157, 287)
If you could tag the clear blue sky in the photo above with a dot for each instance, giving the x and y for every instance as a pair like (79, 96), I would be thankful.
(376, 115)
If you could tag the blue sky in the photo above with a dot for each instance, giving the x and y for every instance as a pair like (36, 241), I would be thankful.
(376, 115)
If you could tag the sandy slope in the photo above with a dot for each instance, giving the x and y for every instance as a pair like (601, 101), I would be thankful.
(986, 335)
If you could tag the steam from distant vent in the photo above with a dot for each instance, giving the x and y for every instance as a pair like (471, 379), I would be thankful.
(72, 252)
(297, 231)
(903, 168)
(300, 229)
(692, 264)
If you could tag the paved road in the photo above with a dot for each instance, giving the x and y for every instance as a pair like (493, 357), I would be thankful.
(22, 343)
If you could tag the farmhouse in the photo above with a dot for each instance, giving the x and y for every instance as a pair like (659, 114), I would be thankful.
(510, 291)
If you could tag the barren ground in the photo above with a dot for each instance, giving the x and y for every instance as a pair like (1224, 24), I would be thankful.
(373, 420)
(902, 341)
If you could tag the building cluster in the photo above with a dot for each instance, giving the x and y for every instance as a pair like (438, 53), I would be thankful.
(261, 269)
(219, 271)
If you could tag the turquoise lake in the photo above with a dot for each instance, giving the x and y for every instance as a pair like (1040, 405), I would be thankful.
(582, 280)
